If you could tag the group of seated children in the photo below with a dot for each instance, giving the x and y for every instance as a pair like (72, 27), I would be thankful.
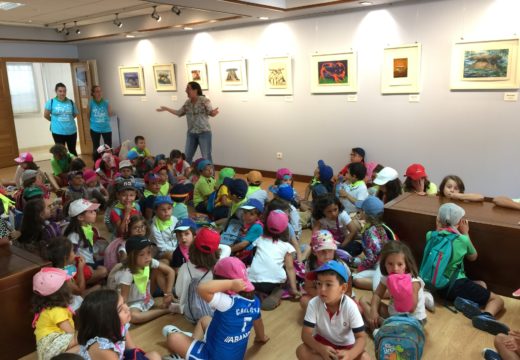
(218, 252)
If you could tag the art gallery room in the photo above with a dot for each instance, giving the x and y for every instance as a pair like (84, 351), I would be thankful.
(414, 85)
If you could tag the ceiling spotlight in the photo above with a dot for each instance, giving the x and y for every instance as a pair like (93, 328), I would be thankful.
(154, 15)
(78, 31)
(176, 10)
(61, 30)
(67, 32)
(117, 22)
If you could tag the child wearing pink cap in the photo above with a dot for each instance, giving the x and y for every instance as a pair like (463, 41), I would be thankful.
(53, 323)
(25, 162)
(272, 263)
(237, 310)
(95, 190)
(323, 249)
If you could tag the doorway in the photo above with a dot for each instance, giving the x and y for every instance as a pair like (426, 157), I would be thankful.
(31, 84)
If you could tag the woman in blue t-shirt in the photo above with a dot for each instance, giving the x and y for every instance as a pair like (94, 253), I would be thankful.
(99, 112)
(61, 111)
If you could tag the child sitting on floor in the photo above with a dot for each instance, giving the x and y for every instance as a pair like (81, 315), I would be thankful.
(468, 295)
(417, 181)
(138, 278)
(180, 194)
(60, 163)
(163, 225)
(237, 309)
(252, 228)
(254, 191)
(401, 277)
(354, 188)
(204, 186)
(333, 327)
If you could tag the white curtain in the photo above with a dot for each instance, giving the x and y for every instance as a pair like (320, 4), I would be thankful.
(24, 97)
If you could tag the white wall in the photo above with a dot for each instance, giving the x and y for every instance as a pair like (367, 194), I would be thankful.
(13, 49)
(472, 134)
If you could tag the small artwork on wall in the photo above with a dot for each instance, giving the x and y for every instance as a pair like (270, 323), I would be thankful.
(233, 75)
(334, 73)
(483, 65)
(401, 69)
(278, 76)
(164, 76)
(131, 80)
(197, 72)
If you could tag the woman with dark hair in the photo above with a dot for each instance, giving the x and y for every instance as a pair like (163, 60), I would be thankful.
(61, 111)
(99, 112)
(197, 109)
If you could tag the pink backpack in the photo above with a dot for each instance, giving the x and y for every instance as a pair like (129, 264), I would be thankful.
(400, 287)
(110, 259)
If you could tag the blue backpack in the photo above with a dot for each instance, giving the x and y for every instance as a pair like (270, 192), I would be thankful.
(401, 337)
(436, 257)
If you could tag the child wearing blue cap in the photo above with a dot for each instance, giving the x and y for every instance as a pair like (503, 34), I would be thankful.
(185, 231)
(163, 225)
(333, 327)
(251, 230)
(204, 186)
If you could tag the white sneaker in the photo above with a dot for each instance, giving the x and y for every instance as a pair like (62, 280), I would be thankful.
(429, 302)
(172, 329)
(172, 357)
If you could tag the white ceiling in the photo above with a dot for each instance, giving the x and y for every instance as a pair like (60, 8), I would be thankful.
(40, 19)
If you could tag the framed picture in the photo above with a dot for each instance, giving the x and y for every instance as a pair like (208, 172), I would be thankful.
(480, 65)
(334, 73)
(233, 75)
(401, 69)
(197, 72)
(278, 75)
(131, 80)
(164, 77)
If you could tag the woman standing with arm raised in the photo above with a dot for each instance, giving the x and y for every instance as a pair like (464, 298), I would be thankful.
(197, 109)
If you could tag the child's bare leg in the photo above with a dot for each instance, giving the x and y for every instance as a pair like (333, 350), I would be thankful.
(200, 328)
(304, 301)
(481, 283)
(139, 317)
(494, 305)
(99, 274)
(159, 280)
(178, 343)
(307, 192)
(153, 355)
(304, 352)
(363, 283)
(505, 347)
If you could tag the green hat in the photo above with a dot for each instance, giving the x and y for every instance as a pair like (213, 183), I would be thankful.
(32, 192)
(224, 173)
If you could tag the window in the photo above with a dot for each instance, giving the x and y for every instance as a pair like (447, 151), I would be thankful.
(24, 97)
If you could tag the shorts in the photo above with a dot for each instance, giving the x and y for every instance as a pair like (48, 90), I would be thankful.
(197, 351)
(53, 344)
(141, 305)
(326, 342)
(467, 289)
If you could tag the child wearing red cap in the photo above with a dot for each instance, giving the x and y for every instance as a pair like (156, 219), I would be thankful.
(417, 181)
(203, 254)
(237, 310)
(53, 323)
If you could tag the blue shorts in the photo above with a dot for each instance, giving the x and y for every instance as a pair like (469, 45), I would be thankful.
(197, 351)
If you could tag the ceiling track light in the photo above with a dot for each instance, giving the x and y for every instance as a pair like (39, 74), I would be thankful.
(154, 15)
(117, 22)
(176, 10)
(67, 32)
(59, 31)
(78, 31)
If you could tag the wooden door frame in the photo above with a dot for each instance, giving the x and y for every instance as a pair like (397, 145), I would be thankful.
(85, 140)
(70, 61)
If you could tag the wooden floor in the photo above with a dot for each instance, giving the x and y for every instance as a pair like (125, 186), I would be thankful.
(448, 336)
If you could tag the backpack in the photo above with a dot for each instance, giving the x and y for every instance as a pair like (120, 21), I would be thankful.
(211, 201)
(110, 259)
(437, 255)
(196, 308)
(231, 233)
(400, 337)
